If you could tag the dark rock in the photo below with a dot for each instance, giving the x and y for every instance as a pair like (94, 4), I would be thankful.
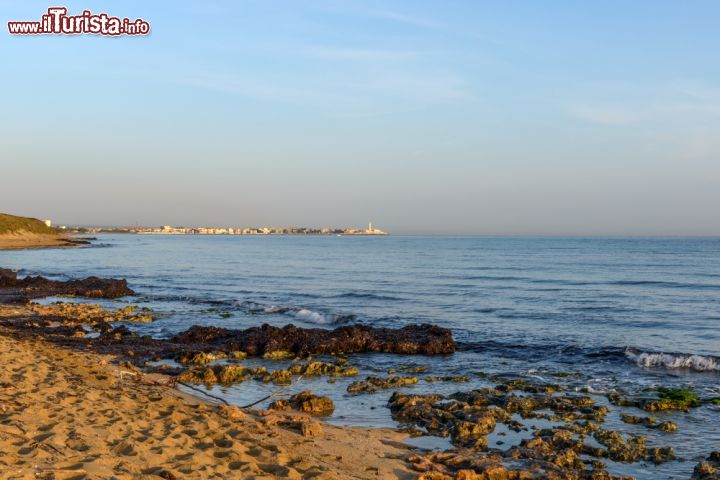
(117, 334)
(414, 339)
(708, 469)
(7, 274)
(76, 241)
(25, 289)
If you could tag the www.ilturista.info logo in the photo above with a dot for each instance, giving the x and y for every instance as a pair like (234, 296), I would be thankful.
(58, 22)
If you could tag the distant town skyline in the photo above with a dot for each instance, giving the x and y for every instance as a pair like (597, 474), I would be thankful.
(458, 117)
(230, 230)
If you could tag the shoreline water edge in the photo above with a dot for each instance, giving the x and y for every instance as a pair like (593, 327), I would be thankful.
(133, 419)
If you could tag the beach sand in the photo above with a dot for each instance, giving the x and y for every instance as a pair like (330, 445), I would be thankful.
(66, 414)
(13, 241)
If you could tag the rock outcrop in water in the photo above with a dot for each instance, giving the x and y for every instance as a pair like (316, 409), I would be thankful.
(414, 339)
(7, 274)
(373, 384)
(306, 402)
(572, 444)
(708, 469)
(265, 340)
(15, 290)
(64, 324)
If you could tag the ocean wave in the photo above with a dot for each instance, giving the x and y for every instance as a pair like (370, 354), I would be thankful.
(665, 284)
(627, 283)
(191, 300)
(310, 316)
(699, 363)
(253, 307)
(302, 314)
(371, 296)
(565, 353)
(486, 310)
(595, 389)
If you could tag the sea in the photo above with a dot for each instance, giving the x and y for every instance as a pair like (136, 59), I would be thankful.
(592, 314)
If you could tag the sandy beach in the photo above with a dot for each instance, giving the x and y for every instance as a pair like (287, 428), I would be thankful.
(76, 415)
(15, 241)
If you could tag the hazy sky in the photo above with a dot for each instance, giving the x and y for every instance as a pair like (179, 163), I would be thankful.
(551, 117)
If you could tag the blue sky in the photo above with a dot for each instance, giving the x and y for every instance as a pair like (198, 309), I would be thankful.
(423, 116)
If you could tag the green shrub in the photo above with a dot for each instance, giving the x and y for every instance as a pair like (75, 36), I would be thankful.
(13, 224)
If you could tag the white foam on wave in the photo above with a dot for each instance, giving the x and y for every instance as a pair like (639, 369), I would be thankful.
(698, 363)
(302, 314)
(311, 316)
(274, 309)
(595, 390)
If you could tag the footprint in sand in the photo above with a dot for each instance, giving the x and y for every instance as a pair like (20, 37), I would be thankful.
(280, 471)
(125, 448)
(43, 436)
(47, 428)
(223, 442)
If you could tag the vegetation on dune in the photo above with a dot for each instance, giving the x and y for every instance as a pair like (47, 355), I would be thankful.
(13, 224)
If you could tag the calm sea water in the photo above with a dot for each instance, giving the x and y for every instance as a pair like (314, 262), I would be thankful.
(627, 313)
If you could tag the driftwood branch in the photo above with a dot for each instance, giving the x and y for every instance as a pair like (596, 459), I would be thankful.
(220, 399)
(274, 394)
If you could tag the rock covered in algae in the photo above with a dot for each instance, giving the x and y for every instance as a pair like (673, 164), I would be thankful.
(312, 369)
(306, 402)
(278, 377)
(673, 399)
(632, 448)
(199, 358)
(457, 379)
(373, 384)
(307, 427)
(708, 469)
(90, 314)
(559, 452)
(231, 374)
(277, 355)
(222, 374)
(682, 399)
(650, 422)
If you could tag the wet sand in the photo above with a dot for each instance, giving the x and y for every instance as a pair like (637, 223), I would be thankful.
(66, 414)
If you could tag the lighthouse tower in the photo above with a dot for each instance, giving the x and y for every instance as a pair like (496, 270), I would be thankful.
(370, 229)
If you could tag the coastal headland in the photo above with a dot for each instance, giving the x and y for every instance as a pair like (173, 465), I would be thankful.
(24, 232)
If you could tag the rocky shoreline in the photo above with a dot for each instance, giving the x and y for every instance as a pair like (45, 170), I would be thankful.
(14, 290)
(563, 432)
